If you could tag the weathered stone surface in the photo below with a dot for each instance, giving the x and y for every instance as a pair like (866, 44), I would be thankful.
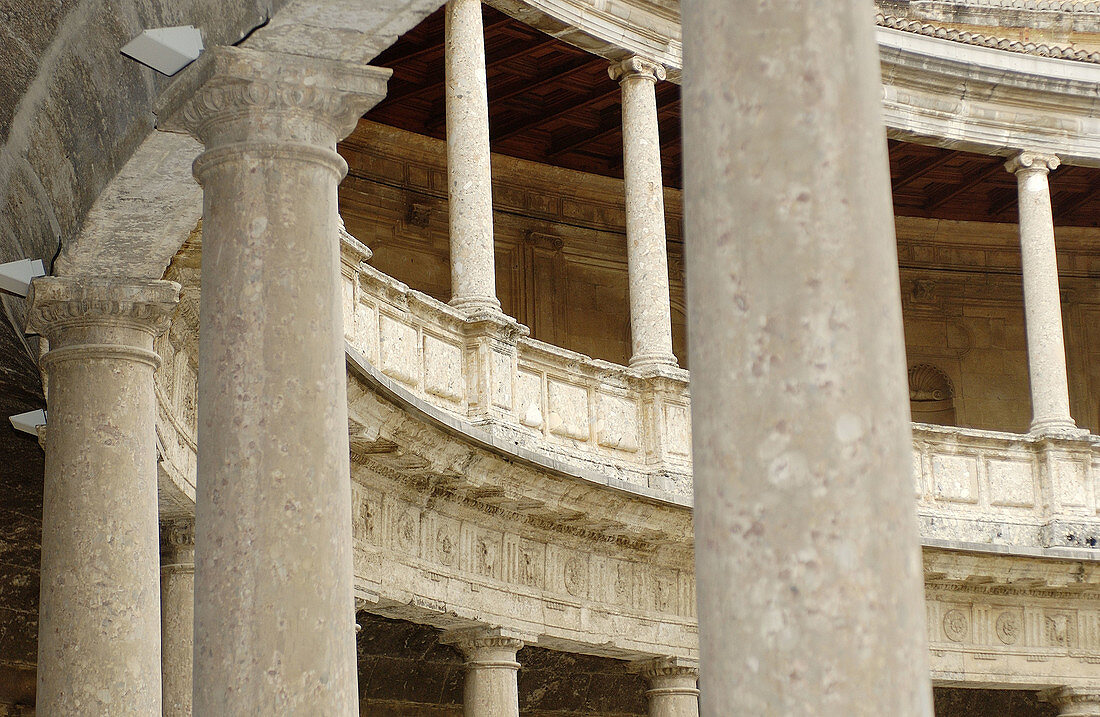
(100, 594)
(799, 429)
(470, 203)
(647, 254)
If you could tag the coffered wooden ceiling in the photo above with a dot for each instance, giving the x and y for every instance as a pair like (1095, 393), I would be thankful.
(553, 103)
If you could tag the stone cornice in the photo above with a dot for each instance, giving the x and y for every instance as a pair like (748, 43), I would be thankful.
(56, 303)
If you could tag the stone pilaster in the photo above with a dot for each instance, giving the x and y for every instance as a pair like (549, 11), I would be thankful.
(491, 671)
(646, 252)
(1046, 349)
(1074, 701)
(469, 176)
(807, 557)
(673, 686)
(177, 609)
(274, 618)
(99, 615)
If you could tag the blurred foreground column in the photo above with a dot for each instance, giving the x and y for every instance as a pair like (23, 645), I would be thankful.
(809, 579)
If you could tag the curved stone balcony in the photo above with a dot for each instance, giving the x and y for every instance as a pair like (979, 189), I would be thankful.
(500, 479)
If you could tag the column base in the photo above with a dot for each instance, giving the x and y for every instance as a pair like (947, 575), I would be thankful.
(1056, 428)
(654, 359)
(476, 304)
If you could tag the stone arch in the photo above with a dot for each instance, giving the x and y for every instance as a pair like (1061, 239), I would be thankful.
(931, 395)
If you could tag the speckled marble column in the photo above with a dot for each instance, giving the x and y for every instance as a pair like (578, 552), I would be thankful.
(274, 610)
(177, 609)
(469, 177)
(99, 615)
(1074, 701)
(673, 687)
(491, 671)
(646, 253)
(810, 598)
(1046, 348)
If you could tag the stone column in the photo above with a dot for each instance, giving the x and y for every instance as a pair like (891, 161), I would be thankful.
(177, 609)
(673, 687)
(274, 610)
(809, 577)
(469, 176)
(1074, 701)
(646, 253)
(1046, 349)
(99, 615)
(491, 671)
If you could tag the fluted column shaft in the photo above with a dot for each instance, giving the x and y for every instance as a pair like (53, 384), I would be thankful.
(1074, 701)
(809, 577)
(673, 687)
(177, 607)
(99, 615)
(491, 688)
(274, 608)
(469, 176)
(646, 252)
(1046, 348)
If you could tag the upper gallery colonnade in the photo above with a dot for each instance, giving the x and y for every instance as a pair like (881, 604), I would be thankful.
(274, 579)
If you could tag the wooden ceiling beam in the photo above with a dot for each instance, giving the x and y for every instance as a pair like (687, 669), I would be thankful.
(1006, 202)
(938, 200)
(554, 112)
(924, 169)
(1065, 210)
(580, 139)
(435, 42)
(439, 118)
(437, 84)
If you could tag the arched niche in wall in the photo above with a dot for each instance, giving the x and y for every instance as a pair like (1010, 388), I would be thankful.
(931, 395)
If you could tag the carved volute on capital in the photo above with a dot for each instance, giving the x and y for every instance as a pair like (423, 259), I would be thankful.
(234, 94)
(635, 67)
(1028, 162)
(59, 303)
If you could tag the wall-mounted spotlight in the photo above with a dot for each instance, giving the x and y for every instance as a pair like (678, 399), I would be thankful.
(15, 276)
(29, 422)
(166, 49)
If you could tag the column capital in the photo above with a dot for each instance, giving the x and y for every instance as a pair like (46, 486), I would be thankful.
(233, 94)
(479, 643)
(666, 667)
(177, 542)
(636, 67)
(1029, 161)
(1074, 701)
(57, 303)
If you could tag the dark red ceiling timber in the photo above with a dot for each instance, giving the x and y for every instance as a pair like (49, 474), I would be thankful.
(550, 102)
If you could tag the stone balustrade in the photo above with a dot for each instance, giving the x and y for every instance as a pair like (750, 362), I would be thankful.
(1016, 491)
(986, 487)
(633, 423)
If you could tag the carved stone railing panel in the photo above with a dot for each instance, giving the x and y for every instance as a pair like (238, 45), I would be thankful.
(1015, 490)
(485, 369)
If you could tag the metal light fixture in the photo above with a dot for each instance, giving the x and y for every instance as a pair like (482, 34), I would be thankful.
(166, 49)
(29, 422)
(15, 276)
